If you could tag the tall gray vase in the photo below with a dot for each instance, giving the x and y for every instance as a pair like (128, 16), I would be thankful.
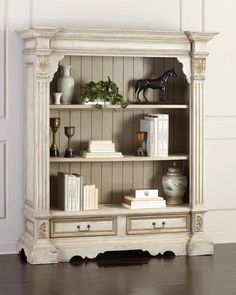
(66, 85)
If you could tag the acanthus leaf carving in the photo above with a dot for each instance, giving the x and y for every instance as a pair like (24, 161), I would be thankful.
(42, 61)
(200, 66)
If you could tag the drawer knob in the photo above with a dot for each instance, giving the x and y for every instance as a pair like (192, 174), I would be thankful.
(156, 227)
(85, 230)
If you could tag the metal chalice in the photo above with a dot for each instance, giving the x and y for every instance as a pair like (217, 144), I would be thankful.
(54, 124)
(69, 132)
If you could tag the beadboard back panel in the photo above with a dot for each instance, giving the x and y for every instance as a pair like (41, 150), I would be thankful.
(116, 179)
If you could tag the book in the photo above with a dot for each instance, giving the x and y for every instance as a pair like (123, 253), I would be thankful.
(148, 127)
(131, 200)
(101, 149)
(92, 199)
(74, 192)
(102, 154)
(100, 142)
(79, 192)
(161, 133)
(69, 193)
(157, 134)
(145, 205)
(96, 199)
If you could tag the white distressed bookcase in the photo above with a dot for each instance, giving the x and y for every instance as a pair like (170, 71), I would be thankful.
(52, 235)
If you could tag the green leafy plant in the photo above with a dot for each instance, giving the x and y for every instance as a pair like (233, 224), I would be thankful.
(103, 92)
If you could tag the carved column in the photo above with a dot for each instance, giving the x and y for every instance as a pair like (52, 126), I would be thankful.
(197, 131)
(39, 70)
(42, 92)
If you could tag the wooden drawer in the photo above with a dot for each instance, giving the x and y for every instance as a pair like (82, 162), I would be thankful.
(155, 225)
(83, 227)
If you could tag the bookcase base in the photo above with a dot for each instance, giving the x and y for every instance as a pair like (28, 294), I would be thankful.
(62, 250)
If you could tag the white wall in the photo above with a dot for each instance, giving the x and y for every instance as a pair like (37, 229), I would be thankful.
(220, 141)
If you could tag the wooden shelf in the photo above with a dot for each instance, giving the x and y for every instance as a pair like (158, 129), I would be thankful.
(116, 107)
(126, 158)
(117, 209)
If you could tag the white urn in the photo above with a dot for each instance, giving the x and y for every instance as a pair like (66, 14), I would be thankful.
(66, 85)
(174, 184)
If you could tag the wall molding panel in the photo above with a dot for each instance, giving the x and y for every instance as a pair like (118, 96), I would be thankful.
(220, 127)
(180, 15)
(3, 58)
(3, 179)
(203, 14)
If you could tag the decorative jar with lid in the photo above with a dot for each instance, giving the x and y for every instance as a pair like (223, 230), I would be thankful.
(174, 184)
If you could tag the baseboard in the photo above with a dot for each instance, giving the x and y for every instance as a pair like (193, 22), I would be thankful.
(222, 237)
(8, 247)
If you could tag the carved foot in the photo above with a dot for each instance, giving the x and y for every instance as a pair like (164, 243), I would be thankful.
(38, 252)
(200, 245)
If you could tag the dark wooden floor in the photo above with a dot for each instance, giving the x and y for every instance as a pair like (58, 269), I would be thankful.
(124, 274)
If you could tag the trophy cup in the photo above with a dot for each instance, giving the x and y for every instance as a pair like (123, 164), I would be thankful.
(69, 132)
(141, 138)
(54, 124)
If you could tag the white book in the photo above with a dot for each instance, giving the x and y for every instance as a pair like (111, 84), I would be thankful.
(100, 142)
(99, 146)
(166, 136)
(146, 205)
(85, 198)
(91, 197)
(96, 199)
(163, 133)
(81, 192)
(77, 206)
(101, 150)
(148, 127)
(156, 135)
(88, 196)
(69, 195)
(73, 193)
(102, 155)
(130, 199)
(78, 192)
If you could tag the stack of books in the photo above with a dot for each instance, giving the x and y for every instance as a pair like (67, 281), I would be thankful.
(157, 128)
(101, 148)
(72, 195)
(142, 200)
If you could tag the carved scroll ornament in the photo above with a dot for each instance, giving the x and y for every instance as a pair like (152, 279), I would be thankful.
(198, 223)
(43, 230)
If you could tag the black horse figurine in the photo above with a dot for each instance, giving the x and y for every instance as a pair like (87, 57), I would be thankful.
(159, 83)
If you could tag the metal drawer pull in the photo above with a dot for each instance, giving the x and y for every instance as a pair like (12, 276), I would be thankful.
(88, 228)
(156, 227)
